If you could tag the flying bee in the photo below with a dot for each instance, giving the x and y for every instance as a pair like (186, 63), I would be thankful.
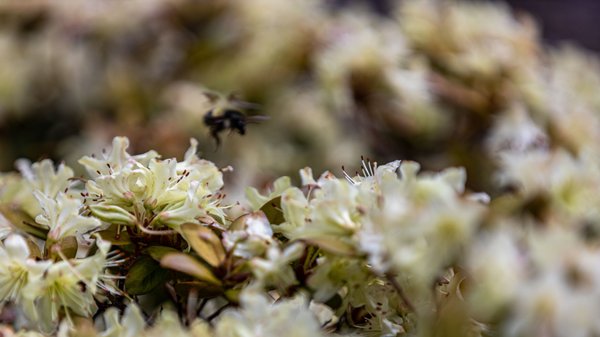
(227, 114)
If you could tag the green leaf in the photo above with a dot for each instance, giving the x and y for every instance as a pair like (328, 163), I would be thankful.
(116, 239)
(144, 276)
(22, 221)
(34, 249)
(272, 210)
(233, 295)
(69, 246)
(188, 265)
(205, 290)
(158, 252)
(333, 245)
(205, 243)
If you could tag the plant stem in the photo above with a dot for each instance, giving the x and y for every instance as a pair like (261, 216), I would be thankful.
(400, 291)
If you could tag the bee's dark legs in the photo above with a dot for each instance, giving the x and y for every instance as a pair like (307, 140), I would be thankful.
(215, 135)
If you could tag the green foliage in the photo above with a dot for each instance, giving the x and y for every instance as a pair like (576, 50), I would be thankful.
(145, 276)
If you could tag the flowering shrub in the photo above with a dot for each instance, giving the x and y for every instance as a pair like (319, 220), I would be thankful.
(389, 252)
(148, 245)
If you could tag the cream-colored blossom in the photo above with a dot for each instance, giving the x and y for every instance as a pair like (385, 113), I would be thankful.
(42, 177)
(5, 227)
(324, 314)
(515, 131)
(333, 211)
(252, 238)
(132, 323)
(497, 269)
(61, 215)
(562, 297)
(115, 160)
(421, 221)
(295, 209)
(65, 286)
(259, 316)
(336, 274)
(480, 40)
(154, 192)
(17, 268)
(275, 269)
(257, 200)
(567, 181)
(168, 324)
(356, 43)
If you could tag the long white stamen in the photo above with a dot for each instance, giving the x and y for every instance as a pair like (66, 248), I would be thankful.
(348, 177)
(365, 170)
(115, 262)
(370, 166)
(112, 277)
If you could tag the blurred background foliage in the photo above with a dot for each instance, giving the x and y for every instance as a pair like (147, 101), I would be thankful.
(440, 82)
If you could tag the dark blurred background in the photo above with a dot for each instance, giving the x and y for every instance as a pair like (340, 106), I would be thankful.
(576, 21)
(573, 21)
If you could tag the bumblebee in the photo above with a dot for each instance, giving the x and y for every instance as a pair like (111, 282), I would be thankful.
(227, 114)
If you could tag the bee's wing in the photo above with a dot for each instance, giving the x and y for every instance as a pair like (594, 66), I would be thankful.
(245, 105)
(257, 119)
(212, 97)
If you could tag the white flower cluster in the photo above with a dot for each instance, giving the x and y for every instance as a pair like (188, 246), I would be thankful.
(359, 241)
(46, 290)
(145, 191)
(258, 316)
(53, 265)
(392, 251)
(51, 273)
(379, 233)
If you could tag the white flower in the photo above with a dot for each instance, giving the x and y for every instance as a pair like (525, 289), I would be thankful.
(324, 314)
(257, 200)
(260, 317)
(275, 269)
(68, 285)
(61, 216)
(515, 131)
(294, 206)
(41, 177)
(174, 215)
(145, 191)
(116, 160)
(130, 325)
(200, 169)
(16, 269)
(419, 223)
(249, 236)
(5, 227)
(333, 211)
(497, 269)
(334, 274)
